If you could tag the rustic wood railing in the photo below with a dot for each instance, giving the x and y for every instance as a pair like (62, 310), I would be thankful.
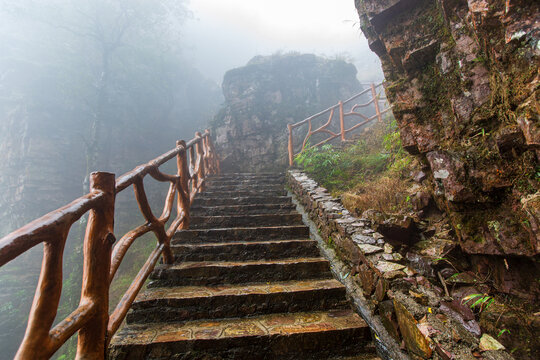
(196, 160)
(377, 95)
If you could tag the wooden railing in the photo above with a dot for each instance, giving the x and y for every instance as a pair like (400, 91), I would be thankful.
(329, 125)
(196, 160)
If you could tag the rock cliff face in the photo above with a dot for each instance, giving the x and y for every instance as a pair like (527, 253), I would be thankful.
(265, 95)
(463, 79)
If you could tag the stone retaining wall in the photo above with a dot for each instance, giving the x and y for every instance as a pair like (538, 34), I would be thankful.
(412, 309)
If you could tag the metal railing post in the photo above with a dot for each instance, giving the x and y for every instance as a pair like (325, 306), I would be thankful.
(98, 242)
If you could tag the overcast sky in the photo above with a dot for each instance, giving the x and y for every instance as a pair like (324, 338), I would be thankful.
(225, 34)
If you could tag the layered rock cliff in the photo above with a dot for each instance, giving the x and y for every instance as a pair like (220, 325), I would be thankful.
(464, 83)
(265, 95)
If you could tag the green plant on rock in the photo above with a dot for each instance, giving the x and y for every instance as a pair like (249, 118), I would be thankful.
(322, 163)
(481, 301)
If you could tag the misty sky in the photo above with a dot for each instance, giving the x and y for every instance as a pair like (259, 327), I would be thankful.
(225, 34)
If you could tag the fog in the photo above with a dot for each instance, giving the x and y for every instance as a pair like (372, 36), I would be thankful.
(106, 85)
(234, 31)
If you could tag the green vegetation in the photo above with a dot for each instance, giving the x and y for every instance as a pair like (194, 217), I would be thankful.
(482, 302)
(370, 172)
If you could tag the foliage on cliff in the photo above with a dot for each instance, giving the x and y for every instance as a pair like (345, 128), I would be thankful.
(370, 172)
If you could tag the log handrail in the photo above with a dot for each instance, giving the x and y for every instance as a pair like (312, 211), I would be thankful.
(343, 131)
(196, 160)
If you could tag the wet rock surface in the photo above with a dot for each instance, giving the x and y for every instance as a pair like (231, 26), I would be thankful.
(462, 77)
(247, 283)
(402, 284)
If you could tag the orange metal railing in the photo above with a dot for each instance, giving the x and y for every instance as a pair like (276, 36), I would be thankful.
(377, 96)
(195, 159)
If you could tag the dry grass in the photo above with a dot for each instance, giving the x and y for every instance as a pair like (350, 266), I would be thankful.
(386, 194)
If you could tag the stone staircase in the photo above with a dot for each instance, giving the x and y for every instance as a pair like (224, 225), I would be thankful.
(248, 283)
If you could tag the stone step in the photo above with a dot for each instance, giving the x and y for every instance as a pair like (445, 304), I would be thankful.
(244, 187)
(247, 176)
(242, 193)
(254, 209)
(175, 304)
(237, 272)
(262, 233)
(246, 181)
(242, 200)
(369, 354)
(314, 335)
(228, 221)
(254, 250)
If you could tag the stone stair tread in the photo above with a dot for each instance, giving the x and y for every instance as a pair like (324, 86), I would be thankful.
(244, 186)
(188, 292)
(230, 272)
(240, 233)
(368, 356)
(241, 200)
(252, 209)
(252, 216)
(247, 243)
(227, 221)
(258, 326)
(196, 264)
(246, 176)
(265, 249)
(231, 194)
(241, 195)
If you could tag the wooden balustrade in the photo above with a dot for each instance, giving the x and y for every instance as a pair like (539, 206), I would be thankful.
(343, 131)
(103, 255)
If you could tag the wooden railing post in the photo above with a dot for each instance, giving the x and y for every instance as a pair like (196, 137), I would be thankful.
(376, 102)
(214, 161)
(200, 161)
(98, 242)
(341, 121)
(183, 201)
(36, 343)
(291, 147)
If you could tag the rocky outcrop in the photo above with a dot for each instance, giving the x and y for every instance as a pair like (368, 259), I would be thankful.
(463, 80)
(396, 287)
(265, 95)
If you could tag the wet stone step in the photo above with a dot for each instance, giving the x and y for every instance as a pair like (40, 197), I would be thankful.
(208, 222)
(245, 187)
(262, 233)
(254, 250)
(243, 209)
(248, 176)
(231, 181)
(314, 335)
(172, 304)
(241, 193)
(228, 272)
(241, 200)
